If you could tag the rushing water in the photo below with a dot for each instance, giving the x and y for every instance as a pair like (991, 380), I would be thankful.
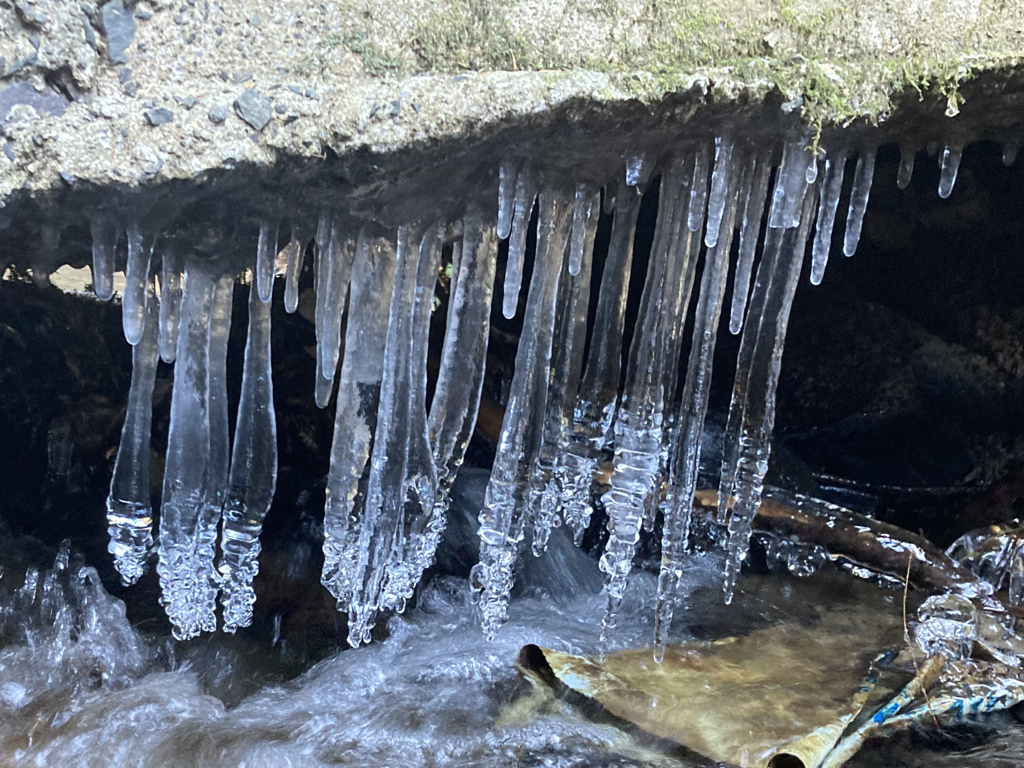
(80, 687)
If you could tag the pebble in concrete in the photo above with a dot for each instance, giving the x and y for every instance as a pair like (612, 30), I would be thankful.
(159, 116)
(254, 109)
(119, 29)
(218, 114)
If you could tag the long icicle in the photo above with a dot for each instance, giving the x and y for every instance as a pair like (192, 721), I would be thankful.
(757, 375)
(526, 195)
(720, 192)
(599, 389)
(503, 518)
(750, 230)
(690, 420)
(508, 174)
(862, 178)
(355, 420)
(949, 167)
(414, 549)
(381, 522)
(831, 188)
(568, 344)
(453, 411)
(253, 474)
(185, 567)
(639, 422)
(342, 252)
(129, 506)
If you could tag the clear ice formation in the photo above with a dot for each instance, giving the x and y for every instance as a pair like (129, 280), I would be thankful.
(504, 517)
(949, 166)
(906, 171)
(133, 305)
(104, 239)
(394, 456)
(129, 507)
(599, 389)
(187, 537)
(863, 175)
(253, 474)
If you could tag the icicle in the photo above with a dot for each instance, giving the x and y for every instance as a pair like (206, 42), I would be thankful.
(104, 241)
(253, 475)
(598, 396)
(46, 256)
(640, 419)
(720, 193)
(811, 175)
(386, 487)
(266, 258)
(791, 184)
(1010, 149)
(690, 427)
(752, 411)
(832, 187)
(133, 304)
(186, 554)
(862, 178)
(341, 253)
(129, 508)
(296, 254)
(503, 518)
(416, 533)
(508, 173)
(170, 303)
(453, 410)
(950, 166)
(607, 200)
(569, 339)
(526, 194)
(750, 230)
(582, 217)
(907, 155)
(699, 187)
(373, 275)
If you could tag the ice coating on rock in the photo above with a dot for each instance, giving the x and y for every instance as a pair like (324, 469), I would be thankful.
(508, 174)
(453, 410)
(859, 192)
(831, 189)
(690, 426)
(104, 239)
(187, 577)
(906, 171)
(599, 389)
(503, 518)
(129, 506)
(266, 257)
(133, 304)
(170, 303)
(721, 195)
(640, 421)
(296, 255)
(355, 419)
(750, 230)
(584, 220)
(253, 475)
(947, 625)
(949, 166)
(525, 196)
(699, 187)
(752, 410)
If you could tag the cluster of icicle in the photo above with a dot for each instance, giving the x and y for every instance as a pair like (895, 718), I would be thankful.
(393, 458)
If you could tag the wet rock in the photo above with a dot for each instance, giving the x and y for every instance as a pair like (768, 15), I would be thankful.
(218, 114)
(253, 108)
(159, 116)
(119, 29)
